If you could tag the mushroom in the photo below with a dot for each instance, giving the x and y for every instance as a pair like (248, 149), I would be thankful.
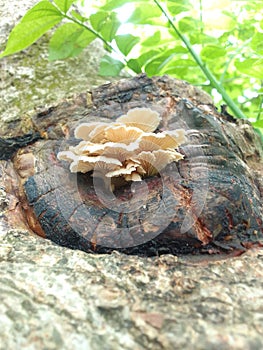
(133, 177)
(163, 140)
(127, 149)
(88, 148)
(84, 164)
(122, 171)
(68, 156)
(128, 168)
(143, 118)
(84, 130)
(155, 161)
(123, 133)
(121, 151)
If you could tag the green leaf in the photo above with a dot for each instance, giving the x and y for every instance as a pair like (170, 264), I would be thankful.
(248, 32)
(257, 43)
(258, 124)
(110, 67)
(179, 49)
(155, 58)
(153, 39)
(126, 42)
(144, 14)
(68, 41)
(176, 72)
(188, 24)
(134, 65)
(229, 14)
(211, 52)
(167, 58)
(147, 56)
(175, 7)
(252, 67)
(179, 67)
(98, 20)
(76, 15)
(180, 63)
(155, 66)
(201, 38)
(64, 5)
(163, 43)
(255, 5)
(113, 4)
(106, 23)
(36, 22)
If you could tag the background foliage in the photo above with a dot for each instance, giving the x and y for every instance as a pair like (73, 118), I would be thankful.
(215, 45)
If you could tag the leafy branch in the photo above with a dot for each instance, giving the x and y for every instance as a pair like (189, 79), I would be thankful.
(170, 50)
(89, 29)
(203, 67)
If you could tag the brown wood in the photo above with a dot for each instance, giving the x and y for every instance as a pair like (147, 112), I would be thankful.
(209, 202)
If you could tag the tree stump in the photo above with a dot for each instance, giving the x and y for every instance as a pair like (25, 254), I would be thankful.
(209, 202)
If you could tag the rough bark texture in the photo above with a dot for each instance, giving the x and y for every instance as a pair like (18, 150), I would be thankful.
(57, 298)
(209, 202)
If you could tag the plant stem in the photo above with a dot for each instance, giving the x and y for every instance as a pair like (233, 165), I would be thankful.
(201, 19)
(107, 44)
(213, 81)
(260, 108)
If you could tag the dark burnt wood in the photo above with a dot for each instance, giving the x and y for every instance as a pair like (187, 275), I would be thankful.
(218, 185)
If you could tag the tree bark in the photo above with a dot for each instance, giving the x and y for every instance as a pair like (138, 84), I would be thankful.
(209, 202)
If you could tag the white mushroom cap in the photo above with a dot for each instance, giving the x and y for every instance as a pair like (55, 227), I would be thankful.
(178, 134)
(109, 149)
(155, 161)
(133, 177)
(85, 164)
(81, 167)
(87, 148)
(143, 118)
(67, 156)
(98, 134)
(120, 151)
(83, 130)
(123, 134)
(162, 140)
(130, 171)
(121, 171)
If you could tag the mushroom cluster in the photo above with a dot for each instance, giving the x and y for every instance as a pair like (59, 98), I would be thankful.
(127, 148)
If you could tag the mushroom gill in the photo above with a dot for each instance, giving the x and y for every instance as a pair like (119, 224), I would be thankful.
(161, 140)
(123, 133)
(84, 164)
(155, 161)
(128, 149)
(143, 118)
